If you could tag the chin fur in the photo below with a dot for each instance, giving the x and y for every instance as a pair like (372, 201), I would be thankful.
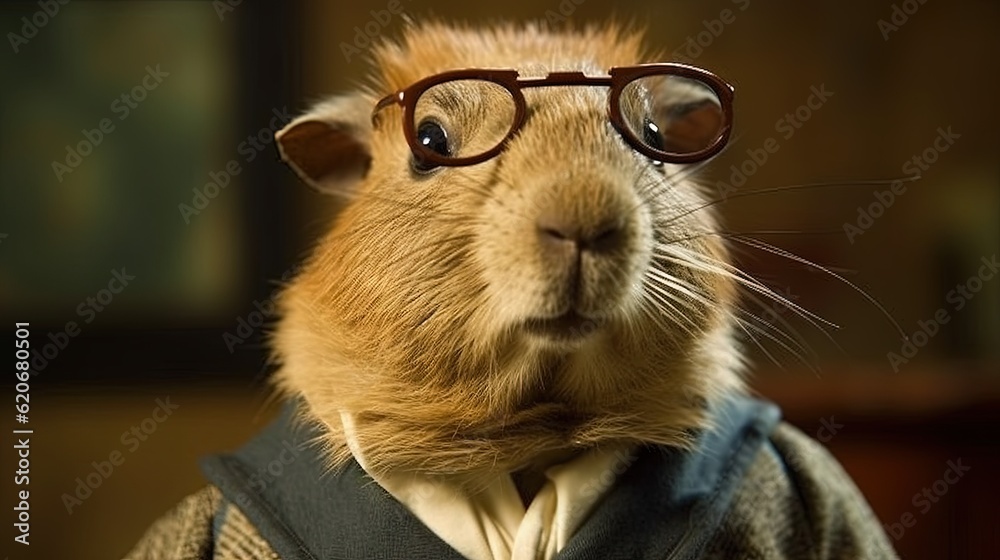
(520, 401)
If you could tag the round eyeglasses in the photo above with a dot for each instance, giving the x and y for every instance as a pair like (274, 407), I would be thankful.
(669, 112)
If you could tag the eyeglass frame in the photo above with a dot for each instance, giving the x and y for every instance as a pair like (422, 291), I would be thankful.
(618, 77)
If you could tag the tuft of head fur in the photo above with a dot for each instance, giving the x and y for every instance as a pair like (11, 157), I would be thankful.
(410, 316)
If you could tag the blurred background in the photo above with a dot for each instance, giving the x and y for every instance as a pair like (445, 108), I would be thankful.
(145, 221)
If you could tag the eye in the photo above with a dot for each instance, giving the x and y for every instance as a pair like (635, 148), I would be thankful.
(651, 137)
(432, 136)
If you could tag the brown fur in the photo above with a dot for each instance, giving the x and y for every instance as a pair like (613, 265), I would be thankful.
(409, 314)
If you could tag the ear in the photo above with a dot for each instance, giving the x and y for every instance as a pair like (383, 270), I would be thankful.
(330, 146)
(694, 126)
(691, 115)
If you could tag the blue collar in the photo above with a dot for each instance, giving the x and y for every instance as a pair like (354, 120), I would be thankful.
(668, 503)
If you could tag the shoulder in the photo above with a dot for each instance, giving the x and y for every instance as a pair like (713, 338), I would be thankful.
(797, 502)
(203, 526)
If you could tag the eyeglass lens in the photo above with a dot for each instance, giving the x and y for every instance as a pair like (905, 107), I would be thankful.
(473, 115)
(672, 114)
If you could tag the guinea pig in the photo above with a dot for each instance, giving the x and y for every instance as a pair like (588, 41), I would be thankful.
(518, 338)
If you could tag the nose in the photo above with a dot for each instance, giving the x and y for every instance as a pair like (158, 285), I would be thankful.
(560, 235)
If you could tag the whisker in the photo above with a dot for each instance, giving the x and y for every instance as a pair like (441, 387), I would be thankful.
(757, 343)
(685, 288)
(777, 341)
(797, 340)
(754, 339)
(689, 170)
(744, 234)
(701, 262)
(787, 188)
(792, 256)
(673, 179)
(755, 286)
(794, 345)
(658, 293)
(653, 311)
(726, 233)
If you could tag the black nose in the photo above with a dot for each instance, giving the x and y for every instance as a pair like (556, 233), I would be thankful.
(557, 234)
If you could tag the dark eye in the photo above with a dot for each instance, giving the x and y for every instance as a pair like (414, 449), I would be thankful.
(432, 136)
(651, 135)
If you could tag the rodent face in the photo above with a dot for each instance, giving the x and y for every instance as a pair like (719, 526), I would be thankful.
(569, 228)
(555, 233)
(516, 305)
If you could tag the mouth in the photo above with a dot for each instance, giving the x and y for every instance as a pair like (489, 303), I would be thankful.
(568, 327)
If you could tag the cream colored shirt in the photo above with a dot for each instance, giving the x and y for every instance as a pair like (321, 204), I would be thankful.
(493, 524)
